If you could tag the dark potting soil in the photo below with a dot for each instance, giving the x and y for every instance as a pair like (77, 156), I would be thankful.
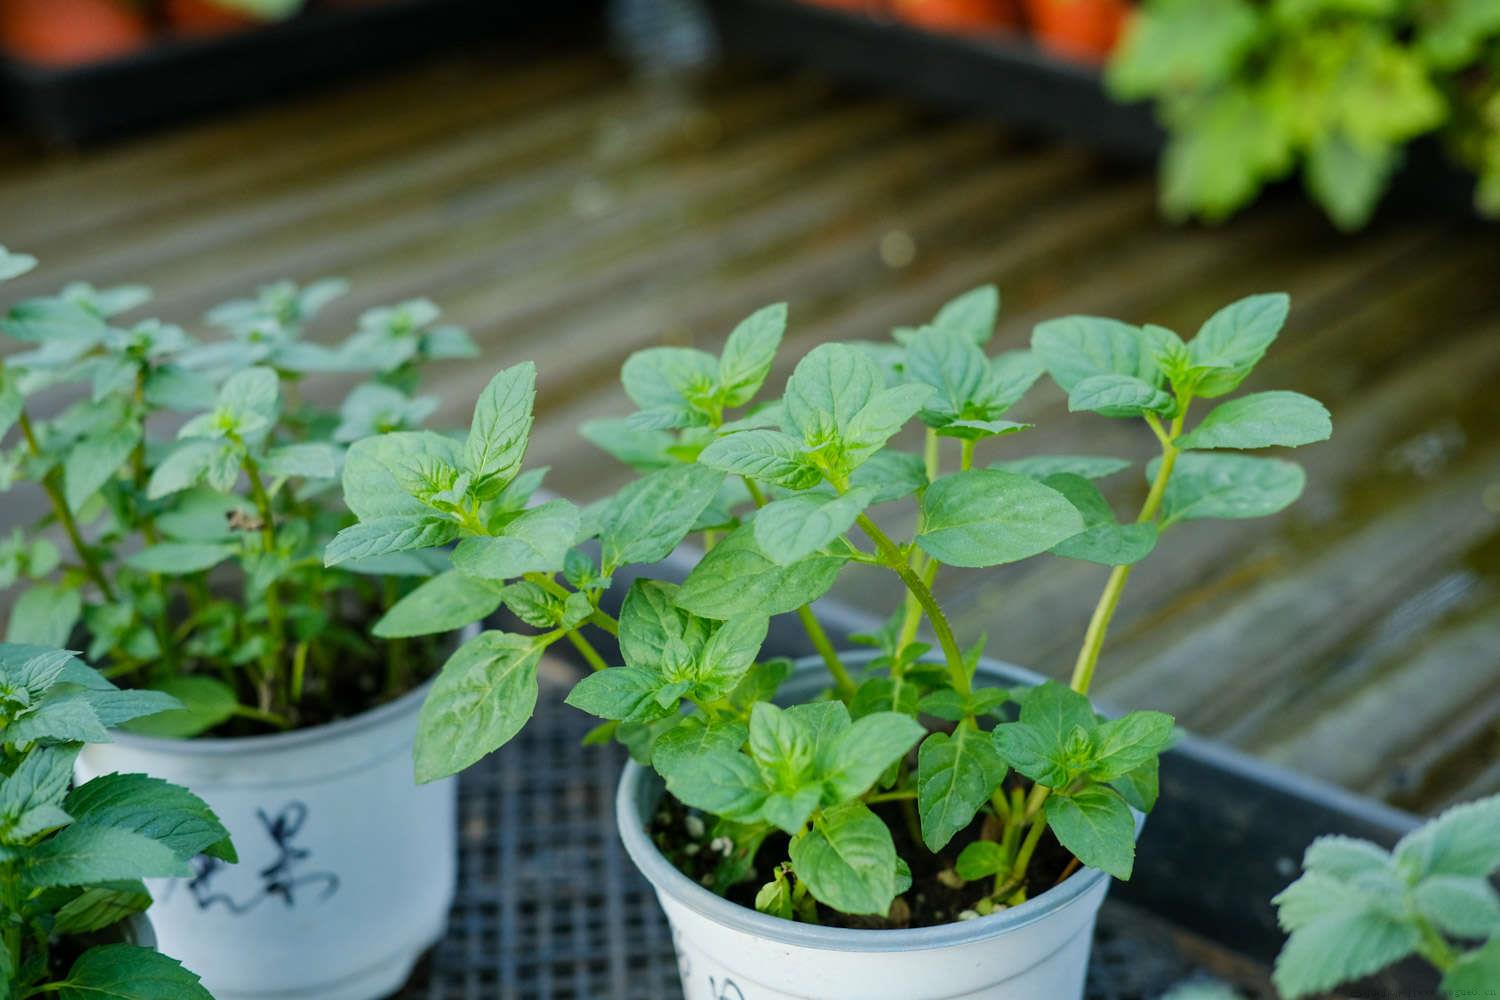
(685, 837)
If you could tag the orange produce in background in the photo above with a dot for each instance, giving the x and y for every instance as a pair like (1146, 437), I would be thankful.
(1087, 30)
(204, 17)
(70, 32)
(958, 16)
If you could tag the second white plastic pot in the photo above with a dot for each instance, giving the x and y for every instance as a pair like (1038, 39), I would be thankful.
(347, 868)
(1038, 950)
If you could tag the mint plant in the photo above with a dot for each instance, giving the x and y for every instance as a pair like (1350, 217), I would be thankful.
(784, 495)
(1358, 908)
(71, 861)
(1252, 92)
(188, 482)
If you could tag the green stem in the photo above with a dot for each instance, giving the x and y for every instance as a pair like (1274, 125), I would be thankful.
(897, 561)
(1109, 600)
(64, 515)
(271, 718)
(931, 457)
(587, 649)
(966, 455)
(274, 622)
(1434, 947)
(896, 795)
(810, 624)
(1023, 859)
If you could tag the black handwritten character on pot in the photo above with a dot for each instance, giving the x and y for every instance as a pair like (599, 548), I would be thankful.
(280, 879)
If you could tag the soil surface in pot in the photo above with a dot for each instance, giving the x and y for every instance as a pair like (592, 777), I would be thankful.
(685, 836)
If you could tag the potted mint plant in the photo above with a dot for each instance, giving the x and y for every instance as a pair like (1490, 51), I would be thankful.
(1358, 908)
(72, 860)
(191, 487)
(886, 825)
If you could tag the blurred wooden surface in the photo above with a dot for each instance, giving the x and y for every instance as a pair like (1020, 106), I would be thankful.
(568, 213)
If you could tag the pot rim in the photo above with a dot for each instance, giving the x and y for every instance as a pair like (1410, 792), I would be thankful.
(218, 746)
(214, 746)
(666, 878)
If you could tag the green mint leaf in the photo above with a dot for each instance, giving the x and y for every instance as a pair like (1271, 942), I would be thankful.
(790, 810)
(307, 460)
(863, 752)
(972, 314)
(1460, 905)
(1097, 826)
(722, 782)
(1140, 787)
(681, 746)
(1052, 741)
(794, 528)
(205, 703)
(642, 450)
(384, 475)
(126, 972)
(984, 517)
(96, 460)
(40, 779)
(749, 354)
(1233, 340)
(115, 707)
(481, 698)
(1262, 420)
(13, 265)
(1078, 347)
(180, 558)
(1043, 466)
(951, 363)
(251, 398)
(1345, 857)
(45, 615)
(1128, 743)
(1474, 971)
(535, 541)
(1118, 396)
(373, 408)
(889, 475)
(828, 388)
(784, 744)
(669, 377)
(955, 776)
(652, 624)
(1206, 485)
(388, 534)
(101, 906)
(1340, 947)
(80, 855)
(879, 420)
(764, 455)
(625, 694)
(980, 859)
(1182, 45)
(445, 603)
(166, 813)
(646, 520)
(978, 430)
(501, 427)
(1103, 540)
(1464, 840)
(736, 578)
(848, 860)
(194, 462)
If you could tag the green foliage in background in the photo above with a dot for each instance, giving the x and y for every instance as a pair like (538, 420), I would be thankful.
(1253, 92)
(190, 491)
(72, 861)
(1358, 908)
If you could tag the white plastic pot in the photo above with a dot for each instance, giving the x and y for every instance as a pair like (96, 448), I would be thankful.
(1038, 950)
(347, 867)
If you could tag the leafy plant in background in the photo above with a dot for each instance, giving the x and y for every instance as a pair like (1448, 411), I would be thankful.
(776, 489)
(1358, 908)
(1252, 92)
(191, 485)
(71, 861)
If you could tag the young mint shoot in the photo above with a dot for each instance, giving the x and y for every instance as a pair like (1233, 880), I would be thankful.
(72, 861)
(188, 488)
(1358, 908)
(782, 495)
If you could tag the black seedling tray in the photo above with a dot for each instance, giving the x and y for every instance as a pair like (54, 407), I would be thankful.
(174, 78)
(551, 908)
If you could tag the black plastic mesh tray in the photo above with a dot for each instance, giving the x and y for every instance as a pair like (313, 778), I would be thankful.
(550, 907)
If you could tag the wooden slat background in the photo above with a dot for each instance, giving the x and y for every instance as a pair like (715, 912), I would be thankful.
(568, 213)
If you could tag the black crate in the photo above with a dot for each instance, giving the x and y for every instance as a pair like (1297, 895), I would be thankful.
(175, 78)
